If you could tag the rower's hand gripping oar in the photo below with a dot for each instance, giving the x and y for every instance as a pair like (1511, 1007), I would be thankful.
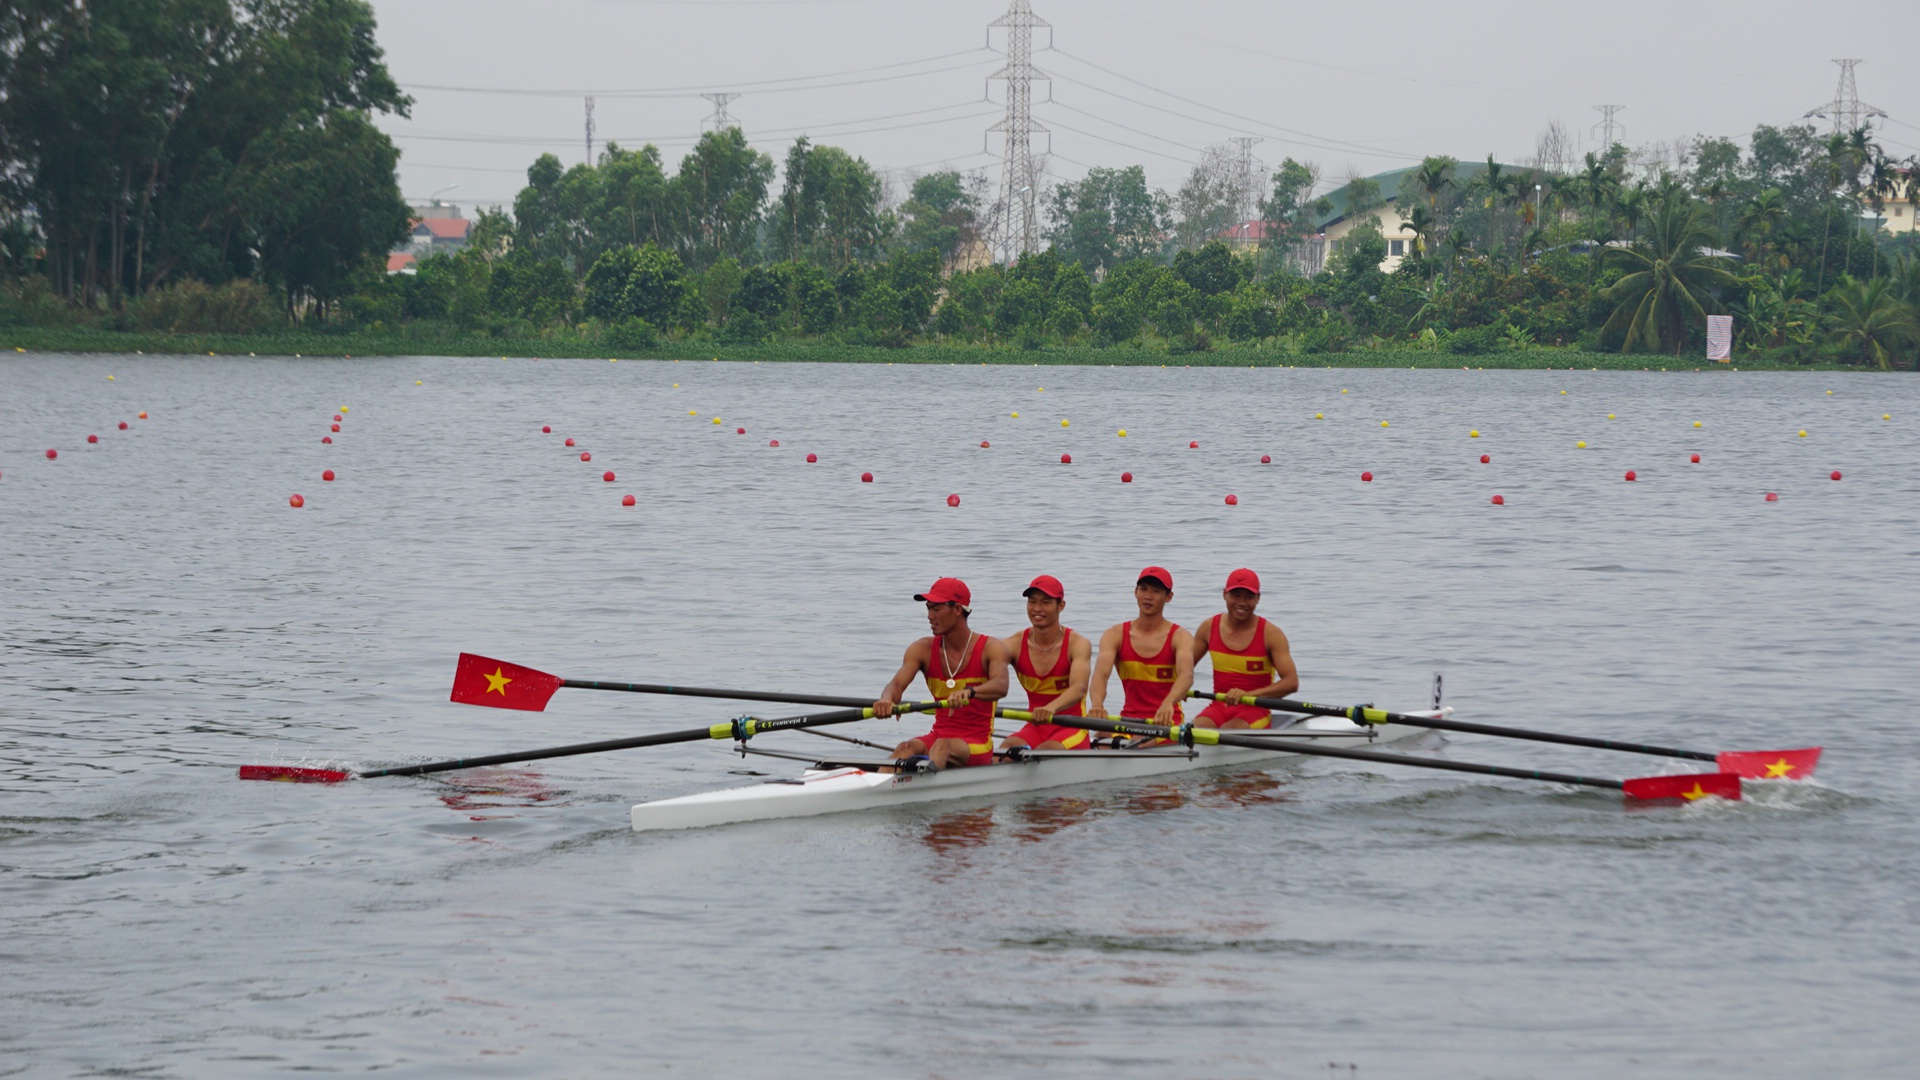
(1750, 764)
(741, 729)
(1688, 788)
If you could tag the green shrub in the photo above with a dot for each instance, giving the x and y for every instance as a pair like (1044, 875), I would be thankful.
(632, 332)
(1476, 340)
(241, 306)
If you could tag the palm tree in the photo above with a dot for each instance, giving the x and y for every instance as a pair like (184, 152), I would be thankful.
(1499, 186)
(1867, 317)
(1422, 223)
(1757, 220)
(1669, 282)
(1434, 176)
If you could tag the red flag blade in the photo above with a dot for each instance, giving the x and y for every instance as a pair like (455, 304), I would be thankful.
(288, 774)
(1771, 764)
(500, 685)
(1688, 788)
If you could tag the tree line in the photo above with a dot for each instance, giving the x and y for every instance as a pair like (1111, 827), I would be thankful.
(213, 164)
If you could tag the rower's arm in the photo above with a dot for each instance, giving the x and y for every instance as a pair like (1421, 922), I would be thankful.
(1286, 677)
(911, 665)
(1103, 670)
(1079, 673)
(1182, 676)
(999, 668)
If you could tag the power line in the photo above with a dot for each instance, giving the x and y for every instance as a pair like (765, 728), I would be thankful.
(1847, 112)
(720, 120)
(682, 140)
(1608, 124)
(764, 86)
(1017, 179)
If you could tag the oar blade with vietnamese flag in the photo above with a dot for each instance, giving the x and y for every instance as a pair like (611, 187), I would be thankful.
(293, 774)
(478, 680)
(1770, 764)
(1688, 787)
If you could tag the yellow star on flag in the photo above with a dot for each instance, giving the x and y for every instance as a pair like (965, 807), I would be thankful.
(1779, 768)
(1697, 793)
(497, 682)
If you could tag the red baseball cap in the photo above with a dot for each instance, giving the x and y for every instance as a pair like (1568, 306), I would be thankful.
(1048, 586)
(1158, 573)
(948, 590)
(1244, 578)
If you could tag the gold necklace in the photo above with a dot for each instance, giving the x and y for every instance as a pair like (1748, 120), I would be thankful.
(947, 667)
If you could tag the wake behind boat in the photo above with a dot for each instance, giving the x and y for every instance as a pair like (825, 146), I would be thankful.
(842, 787)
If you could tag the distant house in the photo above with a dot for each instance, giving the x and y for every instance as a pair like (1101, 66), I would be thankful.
(401, 262)
(1897, 217)
(438, 228)
(1332, 227)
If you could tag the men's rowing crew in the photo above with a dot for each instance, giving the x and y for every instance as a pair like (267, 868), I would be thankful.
(1154, 657)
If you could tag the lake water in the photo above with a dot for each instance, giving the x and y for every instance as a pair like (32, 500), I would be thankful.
(167, 617)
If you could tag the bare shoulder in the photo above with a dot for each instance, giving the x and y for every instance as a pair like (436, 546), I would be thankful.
(1011, 641)
(1181, 635)
(1078, 645)
(1275, 635)
(999, 648)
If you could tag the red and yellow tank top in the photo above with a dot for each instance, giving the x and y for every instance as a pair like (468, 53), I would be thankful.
(1042, 689)
(1146, 679)
(974, 720)
(1236, 671)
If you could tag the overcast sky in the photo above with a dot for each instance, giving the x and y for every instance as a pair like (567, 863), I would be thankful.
(1355, 88)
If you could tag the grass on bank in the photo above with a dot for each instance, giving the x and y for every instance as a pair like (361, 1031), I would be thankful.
(85, 340)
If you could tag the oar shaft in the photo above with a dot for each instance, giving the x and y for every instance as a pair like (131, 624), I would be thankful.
(1206, 736)
(1362, 715)
(711, 692)
(731, 730)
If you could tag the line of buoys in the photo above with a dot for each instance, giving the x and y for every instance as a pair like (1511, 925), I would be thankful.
(1126, 478)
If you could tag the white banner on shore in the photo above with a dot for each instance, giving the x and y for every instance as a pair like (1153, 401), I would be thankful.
(1720, 338)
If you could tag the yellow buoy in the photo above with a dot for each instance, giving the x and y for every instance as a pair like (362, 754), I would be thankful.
(1579, 446)
(1042, 389)
(1563, 393)
(1383, 423)
(1123, 433)
(1063, 423)
(716, 419)
(109, 378)
(693, 412)
(416, 382)
(676, 386)
(1473, 434)
(343, 408)
(1886, 416)
(1803, 433)
(1610, 416)
(1319, 416)
(1696, 423)
(1343, 389)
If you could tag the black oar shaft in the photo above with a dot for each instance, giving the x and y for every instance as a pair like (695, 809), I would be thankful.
(731, 730)
(711, 692)
(1255, 742)
(1363, 715)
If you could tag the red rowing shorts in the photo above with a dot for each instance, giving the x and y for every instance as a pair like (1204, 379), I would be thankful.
(1220, 712)
(1072, 738)
(977, 753)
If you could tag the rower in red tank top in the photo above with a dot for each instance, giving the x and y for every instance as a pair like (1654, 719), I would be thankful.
(966, 669)
(1153, 656)
(1251, 657)
(1055, 686)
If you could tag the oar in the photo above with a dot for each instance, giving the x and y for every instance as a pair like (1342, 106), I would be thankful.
(743, 728)
(1688, 787)
(1751, 764)
(478, 680)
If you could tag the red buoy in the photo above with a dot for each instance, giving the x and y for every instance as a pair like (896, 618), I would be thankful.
(627, 500)
(1771, 497)
(123, 425)
(1834, 475)
(1366, 478)
(1695, 459)
(739, 431)
(1193, 446)
(1066, 459)
(584, 456)
(337, 418)
(336, 427)
(297, 501)
(1266, 459)
(811, 458)
(984, 444)
(775, 442)
(327, 439)
(1233, 500)
(546, 429)
(569, 442)
(51, 454)
(1499, 500)
(607, 476)
(1631, 475)
(1126, 478)
(93, 438)
(866, 478)
(143, 416)
(1486, 459)
(327, 476)
(953, 500)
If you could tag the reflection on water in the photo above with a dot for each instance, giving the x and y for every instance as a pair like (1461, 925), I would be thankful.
(479, 790)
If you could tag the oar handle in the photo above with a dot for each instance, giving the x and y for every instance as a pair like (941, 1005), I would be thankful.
(1361, 714)
(1188, 735)
(743, 728)
(711, 692)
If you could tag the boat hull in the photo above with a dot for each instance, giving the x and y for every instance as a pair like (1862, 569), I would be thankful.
(844, 790)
